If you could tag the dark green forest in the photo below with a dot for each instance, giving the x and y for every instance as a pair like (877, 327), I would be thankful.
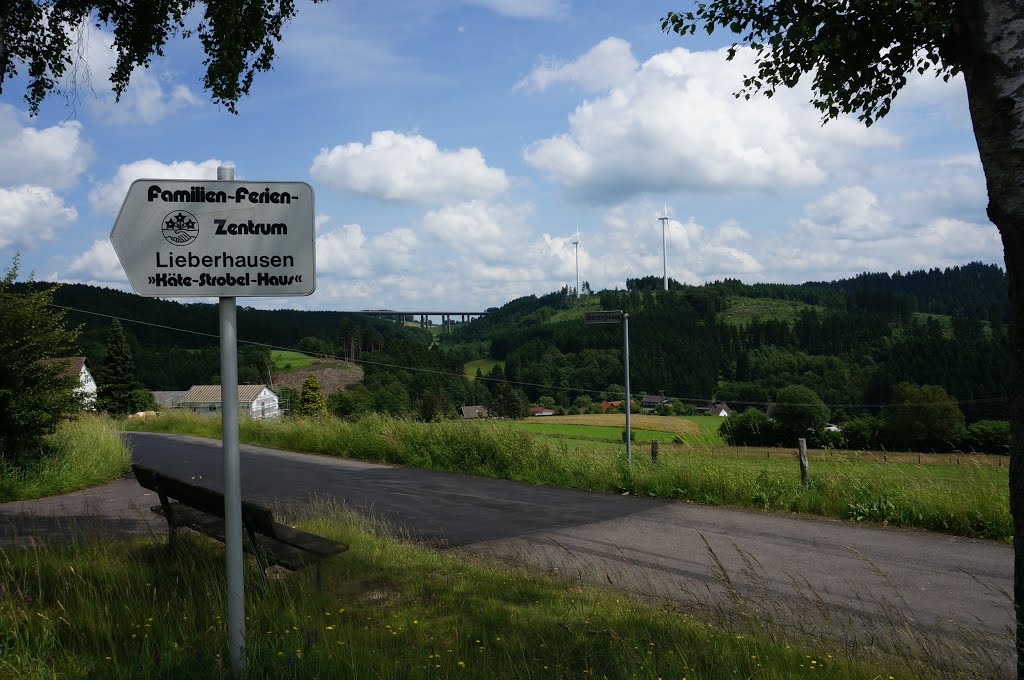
(851, 341)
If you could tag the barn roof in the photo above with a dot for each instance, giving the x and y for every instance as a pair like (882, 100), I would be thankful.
(206, 394)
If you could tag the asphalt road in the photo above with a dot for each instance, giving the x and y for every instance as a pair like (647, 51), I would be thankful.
(862, 585)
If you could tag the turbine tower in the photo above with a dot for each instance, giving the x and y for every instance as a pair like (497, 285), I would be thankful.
(664, 245)
(576, 243)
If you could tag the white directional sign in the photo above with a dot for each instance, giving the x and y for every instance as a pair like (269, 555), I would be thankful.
(603, 316)
(205, 238)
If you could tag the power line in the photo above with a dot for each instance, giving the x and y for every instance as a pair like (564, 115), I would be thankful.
(582, 390)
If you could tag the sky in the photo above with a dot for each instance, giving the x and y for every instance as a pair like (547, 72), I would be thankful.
(456, 146)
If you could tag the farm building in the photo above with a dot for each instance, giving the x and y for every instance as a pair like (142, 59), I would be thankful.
(257, 401)
(652, 402)
(541, 411)
(79, 366)
(471, 412)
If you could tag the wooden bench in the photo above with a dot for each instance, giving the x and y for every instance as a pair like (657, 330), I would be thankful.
(202, 510)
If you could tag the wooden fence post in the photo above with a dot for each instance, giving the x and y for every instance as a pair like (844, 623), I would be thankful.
(654, 450)
(804, 473)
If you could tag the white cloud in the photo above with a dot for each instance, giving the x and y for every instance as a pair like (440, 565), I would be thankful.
(53, 156)
(676, 125)
(31, 214)
(854, 230)
(347, 252)
(98, 263)
(108, 196)
(478, 229)
(395, 166)
(151, 94)
(849, 213)
(530, 9)
(606, 65)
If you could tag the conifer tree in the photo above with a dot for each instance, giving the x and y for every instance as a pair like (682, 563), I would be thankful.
(34, 395)
(312, 402)
(116, 389)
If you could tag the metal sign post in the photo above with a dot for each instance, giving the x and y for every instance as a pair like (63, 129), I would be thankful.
(224, 239)
(232, 472)
(629, 401)
(617, 316)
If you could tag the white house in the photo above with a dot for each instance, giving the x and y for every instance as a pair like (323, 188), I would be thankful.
(79, 366)
(256, 401)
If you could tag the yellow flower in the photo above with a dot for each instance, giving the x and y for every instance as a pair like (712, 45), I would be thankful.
(462, 664)
(330, 627)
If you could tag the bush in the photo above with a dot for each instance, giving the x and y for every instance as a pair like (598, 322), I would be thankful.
(828, 439)
(987, 436)
(750, 428)
(798, 411)
(863, 433)
(923, 418)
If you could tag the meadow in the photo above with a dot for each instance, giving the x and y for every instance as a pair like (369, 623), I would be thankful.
(282, 359)
(970, 499)
(485, 366)
(387, 608)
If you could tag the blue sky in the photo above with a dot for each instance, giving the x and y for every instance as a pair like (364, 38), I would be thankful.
(456, 146)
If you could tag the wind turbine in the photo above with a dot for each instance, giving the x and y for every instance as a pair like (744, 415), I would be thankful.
(664, 245)
(576, 243)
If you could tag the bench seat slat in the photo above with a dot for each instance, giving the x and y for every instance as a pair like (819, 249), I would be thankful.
(202, 509)
(276, 552)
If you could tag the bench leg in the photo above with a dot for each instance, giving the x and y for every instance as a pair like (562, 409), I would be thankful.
(169, 516)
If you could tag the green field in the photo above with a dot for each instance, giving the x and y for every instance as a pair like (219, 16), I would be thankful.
(705, 434)
(284, 360)
(588, 432)
(485, 366)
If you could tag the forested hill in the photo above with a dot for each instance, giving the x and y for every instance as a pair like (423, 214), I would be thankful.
(850, 340)
(176, 344)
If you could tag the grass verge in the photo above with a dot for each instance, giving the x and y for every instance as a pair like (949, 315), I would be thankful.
(125, 608)
(81, 453)
(969, 500)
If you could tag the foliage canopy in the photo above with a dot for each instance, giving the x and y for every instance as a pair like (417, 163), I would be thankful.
(41, 39)
(860, 51)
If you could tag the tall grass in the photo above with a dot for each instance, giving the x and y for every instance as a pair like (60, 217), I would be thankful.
(83, 452)
(969, 500)
(384, 609)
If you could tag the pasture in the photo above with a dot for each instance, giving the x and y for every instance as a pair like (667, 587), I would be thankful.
(285, 360)
(484, 365)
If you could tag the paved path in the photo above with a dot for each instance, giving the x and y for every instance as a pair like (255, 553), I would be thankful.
(862, 582)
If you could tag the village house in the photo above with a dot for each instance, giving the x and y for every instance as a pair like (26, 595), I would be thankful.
(541, 411)
(79, 366)
(718, 408)
(257, 401)
(651, 402)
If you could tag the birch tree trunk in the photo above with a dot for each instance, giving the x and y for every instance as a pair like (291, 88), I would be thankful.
(990, 34)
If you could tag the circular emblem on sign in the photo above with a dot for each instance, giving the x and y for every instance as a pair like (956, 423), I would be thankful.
(180, 228)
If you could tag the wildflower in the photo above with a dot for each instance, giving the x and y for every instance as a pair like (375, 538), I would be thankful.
(462, 664)
(330, 627)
